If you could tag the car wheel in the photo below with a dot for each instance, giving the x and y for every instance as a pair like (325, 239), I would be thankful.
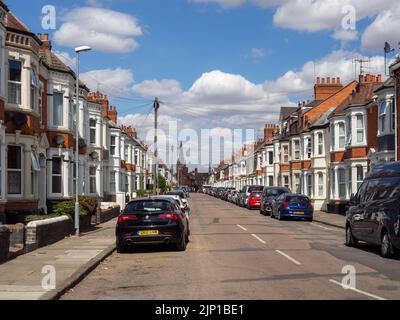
(181, 245)
(387, 250)
(262, 212)
(350, 240)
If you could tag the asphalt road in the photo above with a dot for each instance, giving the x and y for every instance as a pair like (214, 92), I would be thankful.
(235, 253)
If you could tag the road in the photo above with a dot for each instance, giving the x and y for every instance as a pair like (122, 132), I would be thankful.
(235, 253)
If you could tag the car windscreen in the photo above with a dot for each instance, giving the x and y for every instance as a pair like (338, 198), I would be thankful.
(149, 206)
(297, 199)
(180, 194)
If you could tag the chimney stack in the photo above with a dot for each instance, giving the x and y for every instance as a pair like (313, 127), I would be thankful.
(326, 87)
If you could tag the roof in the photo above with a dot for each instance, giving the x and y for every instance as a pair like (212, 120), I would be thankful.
(53, 62)
(388, 84)
(11, 21)
(359, 97)
(286, 112)
(323, 120)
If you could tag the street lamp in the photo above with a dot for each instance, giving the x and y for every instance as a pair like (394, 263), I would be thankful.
(78, 50)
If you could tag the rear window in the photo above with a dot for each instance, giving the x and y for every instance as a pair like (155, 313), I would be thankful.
(297, 199)
(255, 189)
(276, 192)
(149, 206)
(256, 194)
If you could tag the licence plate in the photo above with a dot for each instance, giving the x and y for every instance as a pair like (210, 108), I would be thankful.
(148, 233)
(299, 212)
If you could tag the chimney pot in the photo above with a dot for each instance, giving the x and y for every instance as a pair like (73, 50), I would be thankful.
(39, 36)
(328, 80)
(333, 80)
(46, 37)
(318, 80)
(323, 80)
(338, 80)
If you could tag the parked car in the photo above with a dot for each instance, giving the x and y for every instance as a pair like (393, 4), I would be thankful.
(269, 194)
(374, 212)
(181, 194)
(152, 220)
(290, 205)
(185, 209)
(245, 193)
(254, 200)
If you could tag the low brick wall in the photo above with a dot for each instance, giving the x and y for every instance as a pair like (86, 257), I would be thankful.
(44, 232)
(17, 234)
(109, 214)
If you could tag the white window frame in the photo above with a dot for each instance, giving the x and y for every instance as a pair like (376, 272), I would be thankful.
(320, 184)
(285, 155)
(113, 146)
(320, 143)
(341, 183)
(341, 137)
(18, 101)
(61, 124)
(52, 175)
(93, 179)
(113, 181)
(359, 129)
(382, 115)
(358, 180)
(92, 129)
(296, 149)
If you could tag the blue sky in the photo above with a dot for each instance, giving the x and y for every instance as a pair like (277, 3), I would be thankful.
(215, 63)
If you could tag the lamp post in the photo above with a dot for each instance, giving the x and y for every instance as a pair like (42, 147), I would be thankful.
(78, 50)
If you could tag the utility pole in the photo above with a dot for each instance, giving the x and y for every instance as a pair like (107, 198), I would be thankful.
(156, 106)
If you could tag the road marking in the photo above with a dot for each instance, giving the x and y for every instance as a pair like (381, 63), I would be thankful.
(288, 257)
(258, 238)
(357, 290)
(325, 228)
(243, 228)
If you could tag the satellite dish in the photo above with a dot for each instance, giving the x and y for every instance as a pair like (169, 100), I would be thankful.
(20, 119)
(59, 140)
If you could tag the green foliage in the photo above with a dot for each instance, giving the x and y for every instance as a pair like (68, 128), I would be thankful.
(88, 206)
(162, 184)
(140, 193)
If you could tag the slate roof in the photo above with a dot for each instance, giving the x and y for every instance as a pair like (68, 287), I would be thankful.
(286, 112)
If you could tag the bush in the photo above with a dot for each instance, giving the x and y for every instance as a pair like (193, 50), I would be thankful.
(140, 193)
(88, 206)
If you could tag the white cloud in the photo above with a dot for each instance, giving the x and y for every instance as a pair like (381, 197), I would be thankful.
(226, 4)
(385, 28)
(345, 35)
(158, 88)
(257, 53)
(114, 82)
(102, 29)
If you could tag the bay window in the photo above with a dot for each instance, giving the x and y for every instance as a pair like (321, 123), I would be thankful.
(320, 143)
(360, 128)
(14, 170)
(112, 145)
(309, 185)
(56, 177)
(296, 148)
(34, 87)
(40, 103)
(112, 181)
(360, 176)
(285, 154)
(320, 178)
(92, 131)
(58, 108)
(270, 157)
(341, 135)
(348, 133)
(342, 182)
(92, 180)
(14, 81)
(297, 183)
(286, 181)
(382, 116)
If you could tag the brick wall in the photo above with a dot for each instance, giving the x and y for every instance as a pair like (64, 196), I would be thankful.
(42, 233)
(109, 214)
(4, 243)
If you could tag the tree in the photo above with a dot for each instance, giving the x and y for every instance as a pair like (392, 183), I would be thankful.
(162, 183)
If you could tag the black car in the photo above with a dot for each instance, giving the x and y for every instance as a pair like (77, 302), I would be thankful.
(374, 212)
(151, 220)
(269, 194)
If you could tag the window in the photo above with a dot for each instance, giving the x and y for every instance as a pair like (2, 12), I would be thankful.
(297, 183)
(296, 149)
(40, 103)
(320, 143)
(350, 180)
(126, 153)
(14, 81)
(393, 116)
(360, 176)
(56, 175)
(126, 183)
(309, 185)
(308, 148)
(285, 154)
(92, 131)
(270, 157)
(136, 157)
(112, 181)
(348, 131)
(34, 87)
(270, 181)
(342, 182)
(58, 108)
(333, 183)
(286, 181)
(341, 135)
(14, 169)
(112, 145)
(92, 180)
(382, 116)
(333, 140)
(121, 182)
(320, 184)
(360, 128)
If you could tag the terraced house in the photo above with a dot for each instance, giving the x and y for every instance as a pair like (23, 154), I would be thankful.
(38, 132)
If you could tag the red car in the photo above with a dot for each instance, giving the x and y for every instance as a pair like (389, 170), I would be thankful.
(254, 200)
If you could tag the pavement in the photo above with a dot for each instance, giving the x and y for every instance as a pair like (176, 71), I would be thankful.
(235, 253)
(72, 258)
